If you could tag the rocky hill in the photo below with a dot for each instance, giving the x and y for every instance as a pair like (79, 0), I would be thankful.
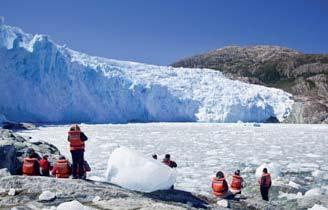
(303, 75)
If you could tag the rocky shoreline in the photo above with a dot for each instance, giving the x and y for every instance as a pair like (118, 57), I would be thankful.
(21, 192)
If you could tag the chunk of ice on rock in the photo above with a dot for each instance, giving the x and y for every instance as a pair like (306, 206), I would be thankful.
(132, 170)
(313, 192)
(12, 192)
(47, 196)
(290, 196)
(318, 207)
(4, 171)
(273, 169)
(222, 203)
(73, 205)
(320, 174)
(96, 199)
(294, 185)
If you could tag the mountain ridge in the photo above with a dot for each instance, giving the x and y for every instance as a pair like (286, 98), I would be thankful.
(301, 74)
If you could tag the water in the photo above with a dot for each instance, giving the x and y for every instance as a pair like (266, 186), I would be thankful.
(201, 149)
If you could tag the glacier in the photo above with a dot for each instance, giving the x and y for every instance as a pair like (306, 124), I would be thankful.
(44, 82)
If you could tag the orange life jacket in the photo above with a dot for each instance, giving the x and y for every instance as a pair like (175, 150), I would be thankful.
(236, 182)
(28, 166)
(267, 182)
(218, 188)
(75, 141)
(62, 169)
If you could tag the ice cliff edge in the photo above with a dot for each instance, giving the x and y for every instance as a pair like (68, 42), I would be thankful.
(43, 82)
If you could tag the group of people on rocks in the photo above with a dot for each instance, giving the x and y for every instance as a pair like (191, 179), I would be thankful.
(34, 165)
(221, 189)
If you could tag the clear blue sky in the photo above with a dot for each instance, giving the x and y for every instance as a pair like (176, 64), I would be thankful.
(163, 31)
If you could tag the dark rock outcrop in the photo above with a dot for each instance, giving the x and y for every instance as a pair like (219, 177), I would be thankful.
(13, 147)
(17, 126)
(303, 75)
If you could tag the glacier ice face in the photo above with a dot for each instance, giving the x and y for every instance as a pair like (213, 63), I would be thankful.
(44, 82)
(130, 169)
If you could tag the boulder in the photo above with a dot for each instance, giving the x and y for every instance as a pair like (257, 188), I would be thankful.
(17, 126)
(13, 148)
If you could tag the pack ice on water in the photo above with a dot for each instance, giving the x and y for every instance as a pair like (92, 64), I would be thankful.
(45, 82)
(132, 170)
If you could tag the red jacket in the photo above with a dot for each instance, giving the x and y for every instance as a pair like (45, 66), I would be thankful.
(44, 165)
(265, 180)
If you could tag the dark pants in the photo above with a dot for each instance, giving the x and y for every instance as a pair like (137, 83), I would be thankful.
(45, 173)
(78, 159)
(265, 193)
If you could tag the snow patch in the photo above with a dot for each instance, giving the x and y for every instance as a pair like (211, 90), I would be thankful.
(132, 170)
(313, 192)
(12, 192)
(47, 196)
(318, 207)
(294, 185)
(320, 174)
(290, 196)
(223, 203)
(72, 205)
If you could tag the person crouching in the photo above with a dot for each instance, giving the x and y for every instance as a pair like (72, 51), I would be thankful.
(45, 166)
(62, 168)
(31, 165)
(220, 186)
(236, 183)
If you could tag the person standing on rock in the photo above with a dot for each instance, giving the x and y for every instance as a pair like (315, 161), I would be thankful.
(76, 140)
(31, 165)
(265, 184)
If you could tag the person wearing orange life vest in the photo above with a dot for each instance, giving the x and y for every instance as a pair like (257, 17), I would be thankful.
(236, 183)
(62, 168)
(265, 184)
(31, 165)
(76, 140)
(219, 185)
(45, 166)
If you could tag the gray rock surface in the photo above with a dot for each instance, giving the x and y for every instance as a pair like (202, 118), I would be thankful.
(303, 75)
(30, 188)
